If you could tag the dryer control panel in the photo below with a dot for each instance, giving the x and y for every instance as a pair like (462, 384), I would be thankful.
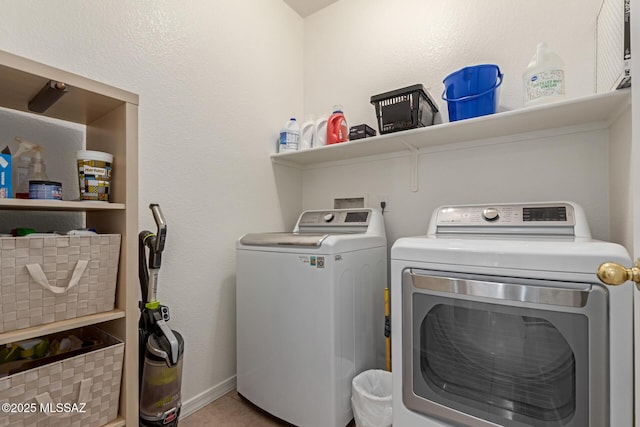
(556, 218)
(507, 215)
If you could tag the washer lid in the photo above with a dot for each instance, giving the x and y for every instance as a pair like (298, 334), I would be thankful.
(327, 231)
(283, 239)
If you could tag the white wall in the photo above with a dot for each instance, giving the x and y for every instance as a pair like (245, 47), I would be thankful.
(531, 169)
(216, 82)
(358, 48)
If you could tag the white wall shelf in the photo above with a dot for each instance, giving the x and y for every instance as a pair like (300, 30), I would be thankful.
(601, 108)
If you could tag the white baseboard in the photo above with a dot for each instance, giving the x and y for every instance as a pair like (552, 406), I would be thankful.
(207, 396)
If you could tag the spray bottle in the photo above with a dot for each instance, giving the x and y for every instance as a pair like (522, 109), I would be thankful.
(28, 167)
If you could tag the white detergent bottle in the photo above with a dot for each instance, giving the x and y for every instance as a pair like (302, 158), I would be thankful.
(306, 132)
(544, 78)
(320, 132)
(289, 136)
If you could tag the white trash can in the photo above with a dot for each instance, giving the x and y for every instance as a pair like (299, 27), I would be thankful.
(371, 398)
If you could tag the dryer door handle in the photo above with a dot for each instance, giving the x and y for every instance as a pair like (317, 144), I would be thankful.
(520, 292)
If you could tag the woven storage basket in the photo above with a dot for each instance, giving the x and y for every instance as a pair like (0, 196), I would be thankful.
(91, 381)
(51, 278)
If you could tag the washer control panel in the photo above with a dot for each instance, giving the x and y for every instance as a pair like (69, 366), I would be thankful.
(347, 218)
(508, 215)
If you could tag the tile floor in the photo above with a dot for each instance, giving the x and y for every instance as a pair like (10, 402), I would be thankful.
(232, 410)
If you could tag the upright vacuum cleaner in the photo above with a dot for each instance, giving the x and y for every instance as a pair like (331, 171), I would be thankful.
(161, 348)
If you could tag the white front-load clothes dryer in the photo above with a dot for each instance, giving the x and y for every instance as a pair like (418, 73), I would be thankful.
(310, 314)
(499, 319)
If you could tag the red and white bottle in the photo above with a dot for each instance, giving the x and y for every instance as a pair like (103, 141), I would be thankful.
(337, 129)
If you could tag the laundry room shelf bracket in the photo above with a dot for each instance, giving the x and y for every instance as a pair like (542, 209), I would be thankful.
(414, 166)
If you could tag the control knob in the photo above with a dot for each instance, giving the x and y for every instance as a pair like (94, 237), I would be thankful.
(328, 217)
(491, 214)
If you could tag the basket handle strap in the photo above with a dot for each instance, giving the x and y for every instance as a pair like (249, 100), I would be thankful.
(470, 97)
(40, 278)
(50, 409)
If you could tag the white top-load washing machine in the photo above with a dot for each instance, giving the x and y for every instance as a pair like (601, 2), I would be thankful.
(310, 314)
(499, 319)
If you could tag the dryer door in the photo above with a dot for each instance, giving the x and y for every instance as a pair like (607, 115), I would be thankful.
(483, 350)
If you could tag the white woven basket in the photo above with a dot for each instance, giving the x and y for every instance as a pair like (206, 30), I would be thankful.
(81, 391)
(46, 279)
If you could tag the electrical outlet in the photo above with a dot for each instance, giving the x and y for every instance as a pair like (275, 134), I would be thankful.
(383, 198)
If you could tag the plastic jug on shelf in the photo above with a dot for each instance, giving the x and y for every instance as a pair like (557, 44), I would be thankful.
(544, 77)
(289, 136)
(337, 129)
(307, 131)
(320, 132)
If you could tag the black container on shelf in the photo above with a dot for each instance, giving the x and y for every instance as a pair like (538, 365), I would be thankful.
(407, 108)
(361, 131)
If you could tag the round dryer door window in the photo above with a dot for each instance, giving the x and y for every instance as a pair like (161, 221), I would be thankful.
(513, 362)
(517, 353)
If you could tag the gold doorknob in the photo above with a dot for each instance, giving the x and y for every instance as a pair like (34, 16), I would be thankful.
(613, 274)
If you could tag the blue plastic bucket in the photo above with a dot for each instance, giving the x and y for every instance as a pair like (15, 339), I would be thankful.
(472, 91)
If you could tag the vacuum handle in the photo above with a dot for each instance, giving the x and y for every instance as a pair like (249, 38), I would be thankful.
(155, 243)
(161, 234)
(143, 271)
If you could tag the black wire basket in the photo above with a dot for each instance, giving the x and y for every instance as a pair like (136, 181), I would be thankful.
(407, 108)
